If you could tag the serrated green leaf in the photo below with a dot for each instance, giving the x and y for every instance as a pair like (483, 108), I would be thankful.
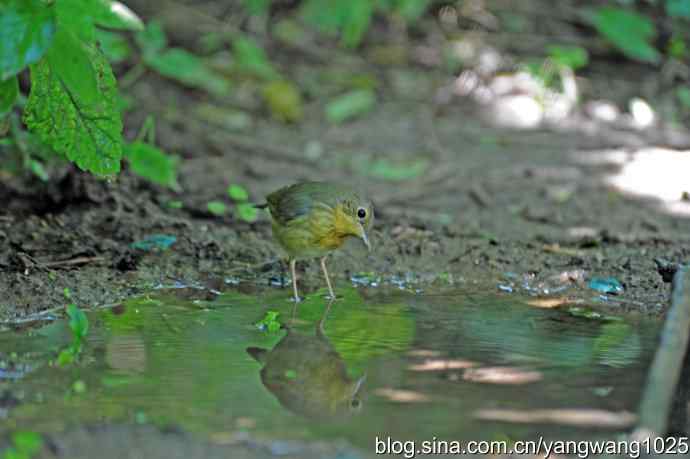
(114, 45)
(116, 15)
(77, 17)
(185, 67)
(630, 32)
(152, 39)
(247, 212)
(216, 208)
(91, 136)
(250, 58)
(153, 164)
(27, 28)
(8, 94)
(71, 62)
(350, 105)
(237, 193)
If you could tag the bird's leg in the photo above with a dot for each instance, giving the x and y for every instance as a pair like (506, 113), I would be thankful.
(328, 281)
(294, 279)
(320, 332)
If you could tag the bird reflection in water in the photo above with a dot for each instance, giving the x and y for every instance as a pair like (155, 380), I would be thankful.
(308, 376)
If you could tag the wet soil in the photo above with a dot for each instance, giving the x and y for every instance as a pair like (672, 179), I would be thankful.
(493, 214)
(497, 208)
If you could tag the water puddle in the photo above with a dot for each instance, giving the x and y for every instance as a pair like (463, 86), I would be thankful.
(409, 367)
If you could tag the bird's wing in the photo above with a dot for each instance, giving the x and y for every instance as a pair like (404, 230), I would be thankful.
(299, 199)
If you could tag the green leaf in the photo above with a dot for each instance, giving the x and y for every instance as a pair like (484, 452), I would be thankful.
(257, 7)
(284, 100)
(250, 58)
(412, 10)
(38, 170)
(677, 47)
(152, 39)
(237, 193)
(678, 8)
(153, 164)
(27, 28)
(8, 94)
(247, 212)
(350, 105)
(356, 22)
(216, 208)
(573, 57)
(683, 95)
(350, 18)
(27, 443)
(77, 18)
(185, 67)
(630, 32)
(114, 45)
(71, 62)
(387, 170)
(116, 15)
(65, 357)
(269, 322)
(78, 322)
(91, 136)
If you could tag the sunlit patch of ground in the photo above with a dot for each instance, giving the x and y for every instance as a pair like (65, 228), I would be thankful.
(658, 173)
(573, 417)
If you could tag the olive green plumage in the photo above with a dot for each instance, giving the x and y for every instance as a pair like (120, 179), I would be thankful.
(311, 219)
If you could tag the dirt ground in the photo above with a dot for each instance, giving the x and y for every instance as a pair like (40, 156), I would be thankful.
(523, 211)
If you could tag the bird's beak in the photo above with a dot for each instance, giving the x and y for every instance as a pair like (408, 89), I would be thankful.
(363, 236)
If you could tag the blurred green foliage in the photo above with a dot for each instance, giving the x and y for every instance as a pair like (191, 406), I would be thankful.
(572, 57)
(350, 19)
(216, 208)
(73, 108)
(244, 210)
(79, 326)
(270, 322)
(25, 445)
(350, 105)
(153, 164)
(629, 31)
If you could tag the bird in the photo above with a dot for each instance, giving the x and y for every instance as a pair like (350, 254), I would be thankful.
(308, 376)
(312, 219)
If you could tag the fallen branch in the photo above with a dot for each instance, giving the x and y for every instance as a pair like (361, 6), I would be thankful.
(665, 371)
(71, 262)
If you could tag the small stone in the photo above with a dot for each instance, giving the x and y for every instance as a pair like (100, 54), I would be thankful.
(609, 285)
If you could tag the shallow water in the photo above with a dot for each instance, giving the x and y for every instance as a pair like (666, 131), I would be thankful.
(410, 367)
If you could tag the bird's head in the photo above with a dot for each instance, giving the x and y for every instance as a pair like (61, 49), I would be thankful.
(354, 217)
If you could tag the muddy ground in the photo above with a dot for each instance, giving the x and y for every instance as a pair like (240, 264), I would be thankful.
(523, 211)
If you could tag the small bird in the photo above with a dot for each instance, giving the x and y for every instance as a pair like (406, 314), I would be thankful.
(311, 219)
(308, 376)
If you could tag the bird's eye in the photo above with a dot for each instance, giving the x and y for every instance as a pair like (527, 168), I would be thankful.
(362, 213)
